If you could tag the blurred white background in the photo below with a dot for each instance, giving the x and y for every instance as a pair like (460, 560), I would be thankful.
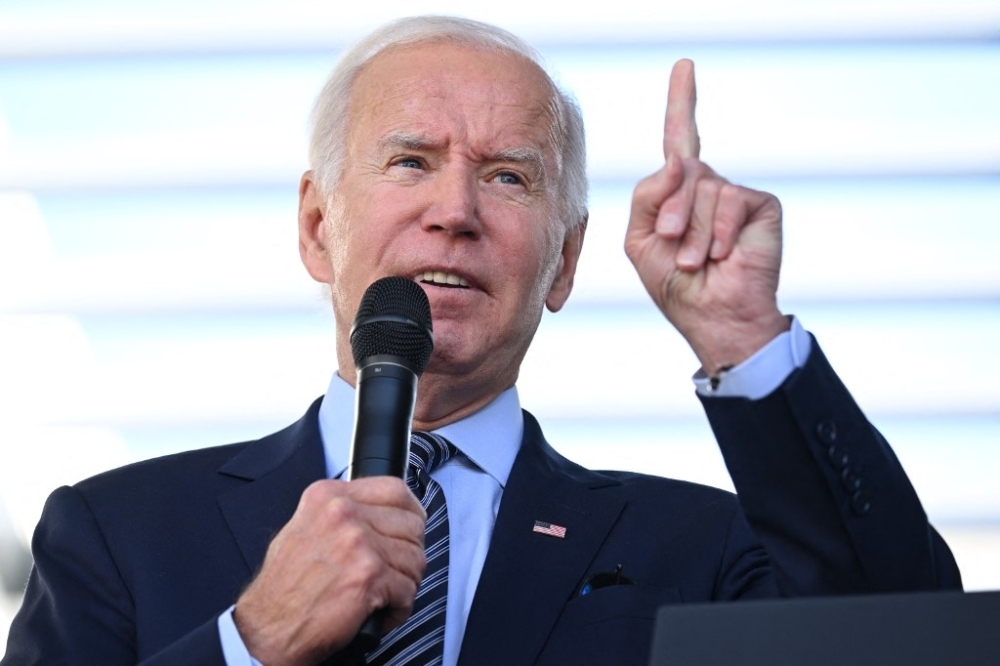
(151, 297)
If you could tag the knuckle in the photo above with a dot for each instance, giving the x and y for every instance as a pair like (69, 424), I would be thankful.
(368, 566)
(420, 561)
(707, 193)
(415, 528)
(730, 191)
(708, 187)
(316, 493)
(340, 512)
(354, 538)
(419, 569)
(409, 590)
(411, 563)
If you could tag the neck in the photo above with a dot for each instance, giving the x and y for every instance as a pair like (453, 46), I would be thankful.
(447, 391)
(444, 399)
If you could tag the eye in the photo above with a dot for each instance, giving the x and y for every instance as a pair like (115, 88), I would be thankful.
(409, 163)
(509, 178)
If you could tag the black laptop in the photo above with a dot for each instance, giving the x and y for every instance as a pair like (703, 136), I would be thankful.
(913, 629)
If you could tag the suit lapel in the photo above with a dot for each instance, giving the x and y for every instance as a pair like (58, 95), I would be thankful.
(528, 577)
(280, 467)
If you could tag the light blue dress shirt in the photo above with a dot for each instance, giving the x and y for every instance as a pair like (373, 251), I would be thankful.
(473, 482)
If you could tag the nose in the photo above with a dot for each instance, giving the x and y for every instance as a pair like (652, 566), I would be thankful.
(454, 207)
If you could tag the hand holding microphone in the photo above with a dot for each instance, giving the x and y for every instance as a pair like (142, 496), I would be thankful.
(353, 553)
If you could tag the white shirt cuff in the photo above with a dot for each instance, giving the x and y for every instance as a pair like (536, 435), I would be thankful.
(233, 648)
(763, 372)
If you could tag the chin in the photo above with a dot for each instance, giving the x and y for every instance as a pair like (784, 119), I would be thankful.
(451, 362)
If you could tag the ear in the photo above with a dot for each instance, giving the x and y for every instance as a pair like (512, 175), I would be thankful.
(563, 283)
(312, 231)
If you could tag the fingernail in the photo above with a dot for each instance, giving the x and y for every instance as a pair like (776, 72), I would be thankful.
(689, 256)
(670, 224)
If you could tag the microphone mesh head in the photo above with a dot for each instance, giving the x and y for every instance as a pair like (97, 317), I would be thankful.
(394, 318)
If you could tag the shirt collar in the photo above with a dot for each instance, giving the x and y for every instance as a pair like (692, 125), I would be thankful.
(490, 437)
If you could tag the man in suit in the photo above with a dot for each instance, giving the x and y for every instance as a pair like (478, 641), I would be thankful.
(444, 153)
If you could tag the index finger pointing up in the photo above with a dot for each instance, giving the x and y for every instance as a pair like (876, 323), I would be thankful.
(680, 132)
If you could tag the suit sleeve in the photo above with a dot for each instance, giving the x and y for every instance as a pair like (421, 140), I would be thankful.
(824, 493)
(78, 609)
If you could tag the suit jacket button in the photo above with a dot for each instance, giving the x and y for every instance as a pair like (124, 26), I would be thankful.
(849, 477)
(860, 503)
(838, 456)
(826, 430)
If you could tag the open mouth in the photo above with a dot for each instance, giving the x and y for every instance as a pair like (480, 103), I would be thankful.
(442, 279)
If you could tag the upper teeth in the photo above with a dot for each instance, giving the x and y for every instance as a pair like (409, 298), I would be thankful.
(440, 277)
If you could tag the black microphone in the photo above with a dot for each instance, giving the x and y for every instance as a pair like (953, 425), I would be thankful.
(391, 341)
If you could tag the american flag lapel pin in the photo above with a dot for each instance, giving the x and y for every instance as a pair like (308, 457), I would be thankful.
(542, 527)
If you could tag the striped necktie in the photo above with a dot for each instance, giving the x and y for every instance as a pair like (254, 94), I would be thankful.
(420, 640)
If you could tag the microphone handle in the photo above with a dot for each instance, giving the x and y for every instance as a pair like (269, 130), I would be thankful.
(368, 635)
(386, 395)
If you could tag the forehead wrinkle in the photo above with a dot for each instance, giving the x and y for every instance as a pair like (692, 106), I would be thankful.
(539, 149)
(534, 121)
(544, 151)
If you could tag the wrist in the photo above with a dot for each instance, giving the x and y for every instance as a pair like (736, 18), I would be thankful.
(259, 642)
(724, 347)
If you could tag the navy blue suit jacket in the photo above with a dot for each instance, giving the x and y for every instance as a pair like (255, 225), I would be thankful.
(135, 565)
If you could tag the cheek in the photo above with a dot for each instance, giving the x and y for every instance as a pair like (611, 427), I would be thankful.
(349, 258)
(533, 239)
(548, 254)
(356, 236)
(338, 243)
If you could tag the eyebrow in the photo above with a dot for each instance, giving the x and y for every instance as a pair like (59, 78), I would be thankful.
(530, 156)
(406, 141)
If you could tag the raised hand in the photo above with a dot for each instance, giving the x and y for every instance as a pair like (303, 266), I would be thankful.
(707, 251)
(349, 550)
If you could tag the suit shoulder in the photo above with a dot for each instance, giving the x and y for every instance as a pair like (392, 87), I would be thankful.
(635, 485)
(638, 484)
(183, 470)
(186, 462)
(207, 468)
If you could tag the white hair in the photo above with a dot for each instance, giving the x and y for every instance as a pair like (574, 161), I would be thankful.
(330, 116)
